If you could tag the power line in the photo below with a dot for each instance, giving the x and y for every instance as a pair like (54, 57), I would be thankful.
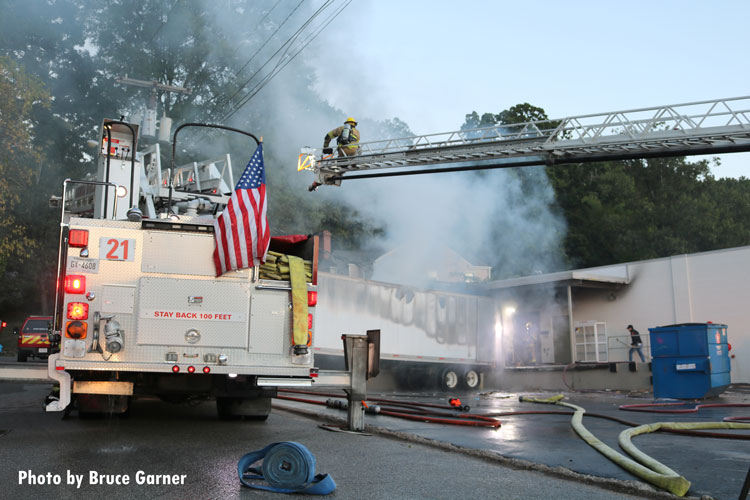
(239, 89)
(288, 41)
(267, 14)
(279, 66)
(270, 37)
(163, 23)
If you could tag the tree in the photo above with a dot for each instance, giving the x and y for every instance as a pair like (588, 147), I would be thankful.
(629, 210)
(20, 161)
(78, 48)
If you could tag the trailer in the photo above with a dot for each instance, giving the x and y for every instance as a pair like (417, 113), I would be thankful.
(428, 337)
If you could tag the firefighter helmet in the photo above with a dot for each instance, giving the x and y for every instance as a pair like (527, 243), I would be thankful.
(351, 120)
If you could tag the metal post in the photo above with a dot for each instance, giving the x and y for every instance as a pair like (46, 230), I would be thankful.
(356, 349)
(745, 487)
(570, 326)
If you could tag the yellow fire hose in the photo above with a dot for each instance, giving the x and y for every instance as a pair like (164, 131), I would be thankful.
(652, 470)
(299, 300)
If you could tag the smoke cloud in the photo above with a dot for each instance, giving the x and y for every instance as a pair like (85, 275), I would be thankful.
(493, 218)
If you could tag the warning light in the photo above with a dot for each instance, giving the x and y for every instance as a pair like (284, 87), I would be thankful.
(121, 191)
(78, 310)
(191, 369)
(76, 329)
(206, 369)
(175, 369)
(75, 284)
(78, 238)
(309, 321)
(312, 299)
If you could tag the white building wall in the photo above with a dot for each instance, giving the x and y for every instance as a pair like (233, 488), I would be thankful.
(711, 286)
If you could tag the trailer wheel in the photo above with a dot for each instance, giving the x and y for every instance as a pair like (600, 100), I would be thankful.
(471, 379)
(449, 379)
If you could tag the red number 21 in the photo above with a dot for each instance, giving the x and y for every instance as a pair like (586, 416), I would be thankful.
(122, 244)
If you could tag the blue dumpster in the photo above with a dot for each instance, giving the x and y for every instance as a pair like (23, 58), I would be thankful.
(690, 360)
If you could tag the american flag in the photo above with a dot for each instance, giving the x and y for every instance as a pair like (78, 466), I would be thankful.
(241, 231)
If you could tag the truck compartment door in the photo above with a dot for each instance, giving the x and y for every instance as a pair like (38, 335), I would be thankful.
(201, 313)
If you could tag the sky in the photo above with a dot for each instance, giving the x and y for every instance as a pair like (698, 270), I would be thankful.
(430, 63)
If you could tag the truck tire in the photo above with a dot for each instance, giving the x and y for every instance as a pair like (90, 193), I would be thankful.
(471, 379)
(22, 356)
(449, 379)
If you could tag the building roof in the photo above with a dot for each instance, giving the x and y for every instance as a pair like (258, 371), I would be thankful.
(597, 277)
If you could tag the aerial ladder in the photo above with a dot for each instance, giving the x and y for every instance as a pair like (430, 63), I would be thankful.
(696, 128)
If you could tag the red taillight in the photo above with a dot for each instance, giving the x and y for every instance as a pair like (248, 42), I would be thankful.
(4, 324)
(78, 238)
(206, 369)
(75, 284)
(309, 321)
(312, 299)
(76, 329)
(175, 369)
(78, 310)
(191, 369)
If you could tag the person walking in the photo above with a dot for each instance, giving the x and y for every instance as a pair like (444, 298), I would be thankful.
(635, 344)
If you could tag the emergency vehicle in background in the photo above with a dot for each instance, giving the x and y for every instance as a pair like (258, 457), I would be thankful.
(33, 338)
(139, 310)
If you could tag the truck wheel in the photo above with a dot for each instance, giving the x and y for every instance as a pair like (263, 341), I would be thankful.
(449, 379)
(471, 379)
(22, 356)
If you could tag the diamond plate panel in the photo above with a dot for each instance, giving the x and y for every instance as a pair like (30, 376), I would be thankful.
(118, 299)
(270, 326)
(165, 314)
(177, 253)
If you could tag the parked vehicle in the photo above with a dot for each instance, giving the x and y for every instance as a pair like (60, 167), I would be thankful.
(33, 338)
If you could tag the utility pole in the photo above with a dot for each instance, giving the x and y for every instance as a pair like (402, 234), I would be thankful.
(148, 128)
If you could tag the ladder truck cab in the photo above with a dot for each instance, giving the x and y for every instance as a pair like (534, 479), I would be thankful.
(139, 309)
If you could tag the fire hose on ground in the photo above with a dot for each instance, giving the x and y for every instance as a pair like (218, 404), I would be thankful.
(465, 419)
(645, 467)
(659, 408)
(287, 467)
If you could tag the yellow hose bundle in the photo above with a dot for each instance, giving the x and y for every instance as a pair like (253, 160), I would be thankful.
(276, 267)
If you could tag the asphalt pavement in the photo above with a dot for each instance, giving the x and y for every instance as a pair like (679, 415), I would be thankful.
(189, 443)
(716, 467)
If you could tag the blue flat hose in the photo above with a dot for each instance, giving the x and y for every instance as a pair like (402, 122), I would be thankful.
(287, 467)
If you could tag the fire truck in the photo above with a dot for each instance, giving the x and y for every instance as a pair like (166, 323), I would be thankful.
(139, 309)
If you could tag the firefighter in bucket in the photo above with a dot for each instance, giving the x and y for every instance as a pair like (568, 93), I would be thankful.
(347, 139)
